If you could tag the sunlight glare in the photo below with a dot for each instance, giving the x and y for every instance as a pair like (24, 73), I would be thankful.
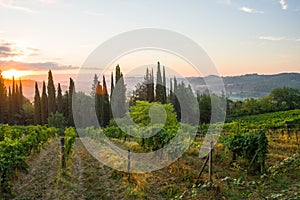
(9, 74)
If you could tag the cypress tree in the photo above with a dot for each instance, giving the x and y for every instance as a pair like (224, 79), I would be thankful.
(70, 100)
(106, 105)
(17, 101)
(118, 74)
(13, 99)
(151, 99)
(51, 94)
(44, 105)
(20, 93)
(176, 102)
(120, 98)
(111, 83)
(65, 111)
(164, 86)
(94, 85)
(159, 90)
(3, 100)
(37, 106)
(99, 103)
(59, 99)
(10, 106)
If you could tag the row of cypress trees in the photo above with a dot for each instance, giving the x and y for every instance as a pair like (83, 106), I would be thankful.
(50, 103)
(11, 102)
(113, 105)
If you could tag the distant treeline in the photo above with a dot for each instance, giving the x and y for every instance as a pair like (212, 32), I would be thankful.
(55, 108)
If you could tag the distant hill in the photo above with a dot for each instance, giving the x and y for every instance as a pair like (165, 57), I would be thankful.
(251, 85)
(237, 87)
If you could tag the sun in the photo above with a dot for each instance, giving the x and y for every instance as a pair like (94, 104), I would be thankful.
(9, 74)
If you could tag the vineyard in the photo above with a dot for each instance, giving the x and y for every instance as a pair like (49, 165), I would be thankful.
(257, 157)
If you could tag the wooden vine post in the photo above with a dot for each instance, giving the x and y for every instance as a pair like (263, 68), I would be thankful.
(63, 159)
(128, 165)
(210, 161)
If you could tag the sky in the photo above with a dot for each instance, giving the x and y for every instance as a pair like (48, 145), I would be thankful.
(240, 36)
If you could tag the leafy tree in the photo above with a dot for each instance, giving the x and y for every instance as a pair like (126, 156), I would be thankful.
(37, 106)
(286, 98)
(58, 121)
(205, 108)
(27, 113)
(51, 94)
(65, 100)
(140, 113)
(59, 99)
(44, 105)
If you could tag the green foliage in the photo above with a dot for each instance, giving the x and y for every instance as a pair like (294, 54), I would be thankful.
(58, 121)
(140, 113)
(51, 94)
(44, 105)
(37, 106)
(263, 121)
(248, 145)
(70, 135)
(16, 144)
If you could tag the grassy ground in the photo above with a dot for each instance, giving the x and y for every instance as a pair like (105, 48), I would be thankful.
(86, 178)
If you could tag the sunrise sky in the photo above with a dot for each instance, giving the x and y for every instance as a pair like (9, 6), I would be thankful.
(240, 36)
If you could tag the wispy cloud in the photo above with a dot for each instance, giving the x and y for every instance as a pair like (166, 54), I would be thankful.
(38, 66)
(273, 38)
(15, 51)
(48, 1)
(250, 10)
(88, 12)
(283, 4)
(11, 5)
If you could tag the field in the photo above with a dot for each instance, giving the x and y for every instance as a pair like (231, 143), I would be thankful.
(86, 178)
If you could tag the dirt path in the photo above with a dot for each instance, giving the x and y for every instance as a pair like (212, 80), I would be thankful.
(39, 182)
(85, 177)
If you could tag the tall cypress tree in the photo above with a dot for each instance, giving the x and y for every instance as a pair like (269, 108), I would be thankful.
(59, 99)
(176, 102)
(120, 97)
(99, 103)
(159, 90)
(51, 94)
(3, 100)
(94, 85)
(13, 99)
(37, 106)
(10, 106)
(106, 105)
(118, 73)
(70, 100)
(164, 86)
(21, 94)
(17, 101)
(151, 99)
(44, 105)
(112, 83)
